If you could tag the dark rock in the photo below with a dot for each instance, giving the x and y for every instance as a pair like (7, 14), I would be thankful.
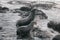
(24, 32)
(25, 9)
(54, 25)
(27, 20)
(57, 37)
(10, 2)
(0, 8)
(5, 8)
(0, 28)
(41, 14)
(1, 11)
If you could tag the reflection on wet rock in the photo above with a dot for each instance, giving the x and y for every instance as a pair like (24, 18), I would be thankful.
(41, 14)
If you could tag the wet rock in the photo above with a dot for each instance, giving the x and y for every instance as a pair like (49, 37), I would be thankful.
(4, 9)
(25, 13)
(1, 11)
(10, 2)
(1, 39)
(57, 37)
(0, 8)
(54, 25)
(25, 9)
(40, 34)
(24, 32)
(1, 28)
(41, 14)
(26, 21)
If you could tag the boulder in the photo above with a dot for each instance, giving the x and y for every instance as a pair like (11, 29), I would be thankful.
(57, 37)
(4, 9)
(54, 25)
(25, 9)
